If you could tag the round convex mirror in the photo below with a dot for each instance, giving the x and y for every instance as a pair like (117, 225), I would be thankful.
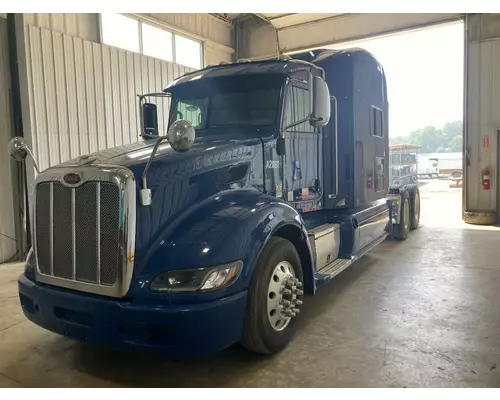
(181, 135)
(17, 148)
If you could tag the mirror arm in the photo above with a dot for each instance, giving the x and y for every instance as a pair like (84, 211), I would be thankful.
(295, 124)
(145, 193)
(316, 119)
(282, 133)
(35, 164)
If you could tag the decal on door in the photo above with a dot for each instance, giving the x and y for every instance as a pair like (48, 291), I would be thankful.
(272, 164)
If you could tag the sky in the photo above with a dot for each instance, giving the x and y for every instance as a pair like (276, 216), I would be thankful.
(424, 72)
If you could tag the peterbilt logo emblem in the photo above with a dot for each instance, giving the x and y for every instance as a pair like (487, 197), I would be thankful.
(72, 178)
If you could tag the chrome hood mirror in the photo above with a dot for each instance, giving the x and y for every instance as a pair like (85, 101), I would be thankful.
(19, 150)
(181, 135)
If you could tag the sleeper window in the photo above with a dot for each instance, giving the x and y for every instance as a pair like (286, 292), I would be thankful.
(376, 122)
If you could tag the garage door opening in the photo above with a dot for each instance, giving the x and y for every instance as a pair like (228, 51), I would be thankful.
(424, 71)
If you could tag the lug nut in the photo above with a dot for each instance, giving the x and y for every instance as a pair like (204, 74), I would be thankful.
(298, 302)
(295, 311)
(285, 302)
(299, 292)
(286, 291)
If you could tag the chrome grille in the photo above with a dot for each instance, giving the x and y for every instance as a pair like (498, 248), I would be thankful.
(78, 231)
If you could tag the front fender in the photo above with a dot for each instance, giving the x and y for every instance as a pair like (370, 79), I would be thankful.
(233, 225)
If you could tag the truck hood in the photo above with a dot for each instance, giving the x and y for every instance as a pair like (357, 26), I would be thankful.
(133, 154)
(181, 180)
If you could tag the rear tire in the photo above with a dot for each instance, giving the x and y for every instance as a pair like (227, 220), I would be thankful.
(402, 230)
(259, 334)
(414, 194)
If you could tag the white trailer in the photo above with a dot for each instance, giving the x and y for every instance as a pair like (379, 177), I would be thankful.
(428, 167)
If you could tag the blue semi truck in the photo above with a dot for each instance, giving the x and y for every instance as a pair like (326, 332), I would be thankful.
(271, 179)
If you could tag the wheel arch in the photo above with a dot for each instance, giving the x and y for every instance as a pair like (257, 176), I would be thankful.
(295, 235)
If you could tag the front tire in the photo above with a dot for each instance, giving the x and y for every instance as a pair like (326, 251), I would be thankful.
(274, 297)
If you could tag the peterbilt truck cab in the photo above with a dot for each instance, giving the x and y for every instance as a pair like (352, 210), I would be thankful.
(270, 180)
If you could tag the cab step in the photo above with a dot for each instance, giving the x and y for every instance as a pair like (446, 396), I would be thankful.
(334, 268)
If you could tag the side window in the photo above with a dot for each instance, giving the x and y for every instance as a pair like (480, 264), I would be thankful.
(379, 174)
(194, 111)
(376, 121)
(298, 107)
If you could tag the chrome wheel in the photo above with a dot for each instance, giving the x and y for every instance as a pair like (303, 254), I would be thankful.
(282, 296)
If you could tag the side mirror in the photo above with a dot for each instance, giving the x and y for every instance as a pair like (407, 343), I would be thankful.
(321, 103)
(181, 135)
(280, 146)
(19, 150)
(149, 119)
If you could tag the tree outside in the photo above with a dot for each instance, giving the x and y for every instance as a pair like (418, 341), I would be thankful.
(434, 140)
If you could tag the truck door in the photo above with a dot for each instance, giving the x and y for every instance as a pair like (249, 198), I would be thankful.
(303, 158)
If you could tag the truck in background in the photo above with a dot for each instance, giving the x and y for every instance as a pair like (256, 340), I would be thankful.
(428, 167)
(272, 179)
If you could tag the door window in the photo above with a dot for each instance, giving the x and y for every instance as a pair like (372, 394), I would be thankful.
(298, 107)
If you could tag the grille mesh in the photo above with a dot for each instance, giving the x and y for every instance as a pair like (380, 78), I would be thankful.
(86, 228)
(63, 255)
(43, 227)
(109, 233)
(90, 213)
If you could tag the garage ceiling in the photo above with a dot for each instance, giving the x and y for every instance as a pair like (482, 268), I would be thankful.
(292, 33)
(287, 20)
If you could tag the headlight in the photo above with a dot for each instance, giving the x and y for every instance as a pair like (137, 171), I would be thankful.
(197, 280)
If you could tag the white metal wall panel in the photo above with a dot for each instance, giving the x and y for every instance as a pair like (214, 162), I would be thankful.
(82, 25)
(214, 54)
(83, 95)
(483, 119)
(7, 225)
(201, 25)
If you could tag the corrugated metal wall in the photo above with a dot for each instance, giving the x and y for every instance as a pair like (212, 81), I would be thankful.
(83, 95)
(483, 111)
(483, 121)
(82, 25)
(214, 54)
(7, 226)
(202, 25)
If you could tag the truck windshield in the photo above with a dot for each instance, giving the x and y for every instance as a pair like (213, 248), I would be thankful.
(231, 101)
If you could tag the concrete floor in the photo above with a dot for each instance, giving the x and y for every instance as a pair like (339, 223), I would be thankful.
(420, 313)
